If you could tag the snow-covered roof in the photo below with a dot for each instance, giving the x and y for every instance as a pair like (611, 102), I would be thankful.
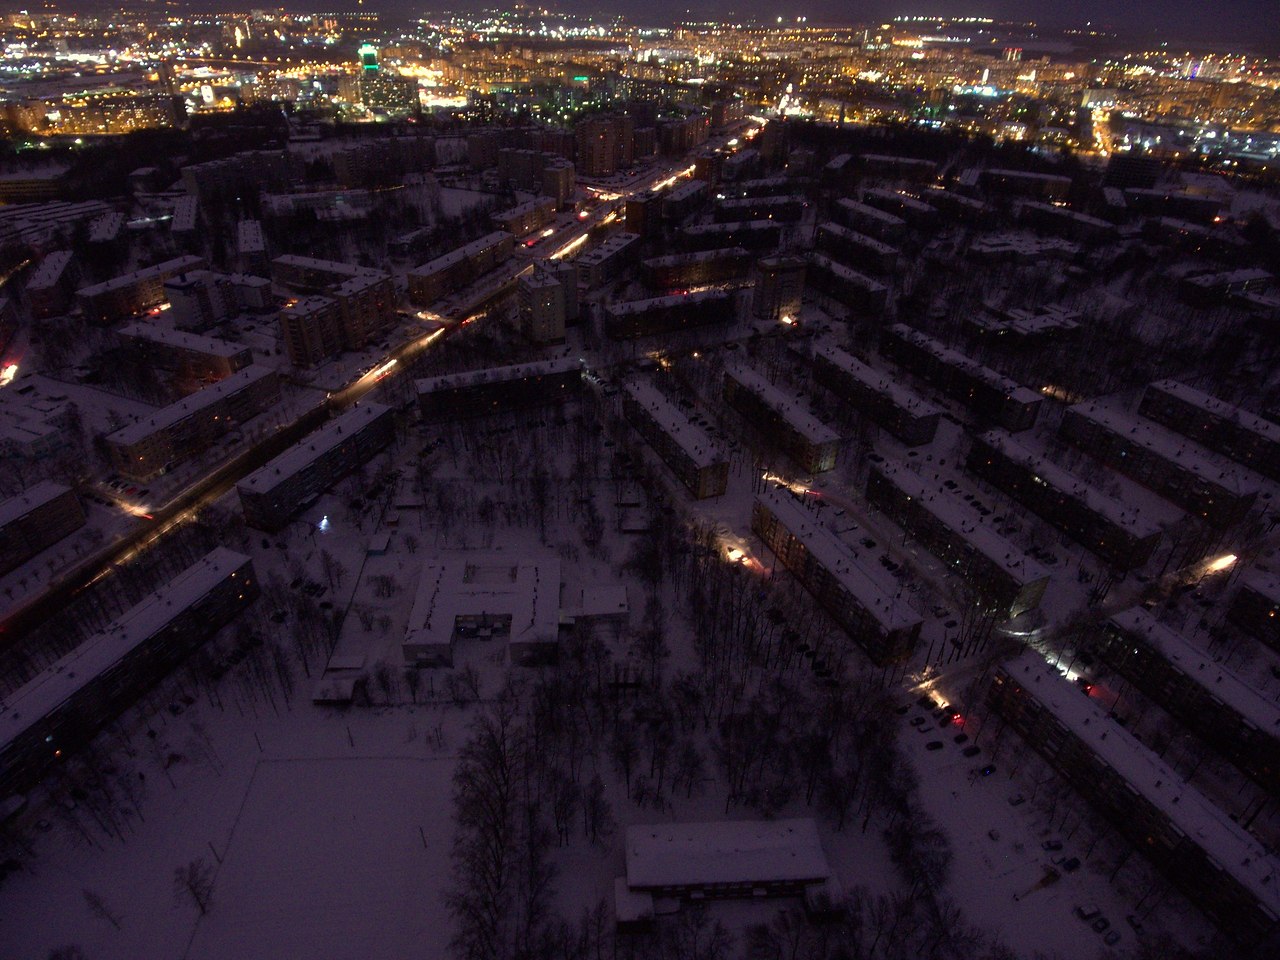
(168, 268)
(202, 399)
(724, 852)
(1264, 429)
(521, 209)
(1171, 446)
(698, 256)
(686, 190)
(302, 455)
(788, 407)
(751, 203)
(713, 228)
(864, 211)
(904, 200)
(874, 588)
(965, 363)
(336, 267)
(50, 270)
(858, 239)
(1239, 854)
(1075, 216)
(1194, 663)
(68, 675)
(657, 303)
(32, 498)
(471, 378)
(1263, 583)
(957, 515)
(209, 346)
(486, 583)
(691, 438)
(249, 237)
(1118, 512)
(876, 381)
(610, 248)
(1027, 175)
(838, 269)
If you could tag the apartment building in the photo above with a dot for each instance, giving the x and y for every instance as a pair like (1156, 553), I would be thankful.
(498, 389)
(35, 520)
(697, 461)
(906, 415)
(784, 419)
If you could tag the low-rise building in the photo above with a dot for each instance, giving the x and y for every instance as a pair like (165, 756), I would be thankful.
(1118, 532)
(198, 299)
(149, 446)
(642, 318)
(1256, 607)
(865, 601)
(684, 270)
(189, 355)
(63, 707)
(52, 285)
(1163, 461)
(481, 596)
(855, 250)
(906, 415)
(855, 290)
(498, 389)
(272, 494)
(783, 419)
(522, 219)
(132, 293)
(780, 209)
(915, 212)
(1001, 575)
(990, 395)
(749, 234)
(698, 461)
(35, 520)
(1210, 700)
(1221, 869)
(452, 271)
(1226, 429)
(870, 220)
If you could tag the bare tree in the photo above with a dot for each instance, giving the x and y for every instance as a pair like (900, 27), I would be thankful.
(195, 880)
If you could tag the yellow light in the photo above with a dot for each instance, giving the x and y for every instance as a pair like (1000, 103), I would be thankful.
(1222, 562)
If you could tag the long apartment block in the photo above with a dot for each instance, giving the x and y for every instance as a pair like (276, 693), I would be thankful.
(63, 707)
(991, 396)
(145, 448)
(1207, 698)
(906, 415)
(130, 294)
(1246, 438)
(498, 389)
(1163, 461)
(1118, 532)
(855, 250)
(36, 519)
(188, 354)
(1221, 868)
(272, 494)
(782, 418)
(1256, 607)
(454, 270)
(643, 318)
(855, 290)
(999, 572)
(861, 597)
(697, 460)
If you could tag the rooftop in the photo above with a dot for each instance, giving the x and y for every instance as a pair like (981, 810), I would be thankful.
(873, 379)
(1118, 512)
(168, 268)
(1209, 827)
(875, 590)
(1265, 429)
(67, 676)
(691, 438)
(1172, 447)
(788, 407)
(959, 361)
(175, 413)
(1213, 677)
(209, 346)
(471, 378)
(724, 852)
(32, 498)
(302, 455)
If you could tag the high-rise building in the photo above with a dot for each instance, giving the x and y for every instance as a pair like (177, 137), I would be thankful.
(604, 145)
(311, 329)
(542, 308)
(779, 289)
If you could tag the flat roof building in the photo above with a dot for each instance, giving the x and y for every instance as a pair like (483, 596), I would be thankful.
(906, 415)
(1221, 869)
(1118, 532)
(452, 271)
(698, 461)
(1224, 428)
(189, 355)
(1210, 700)
(1256, 607)
(481, 596)
(498, 389)
(642, 318)
(35, 520)
(132, 293)
(1163, 461)
(783, 419)
(272, 494)
(990, 395)
(863, 599)
(1001, 575)
(64, 706)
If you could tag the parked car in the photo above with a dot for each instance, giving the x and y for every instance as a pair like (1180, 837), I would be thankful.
(1112, 938)
(933, 745)
(1100, 925)
(1051, 845)
(1087, 911)
(988, 770)
(1017, 800)
(972, 751)
(1071, 864)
